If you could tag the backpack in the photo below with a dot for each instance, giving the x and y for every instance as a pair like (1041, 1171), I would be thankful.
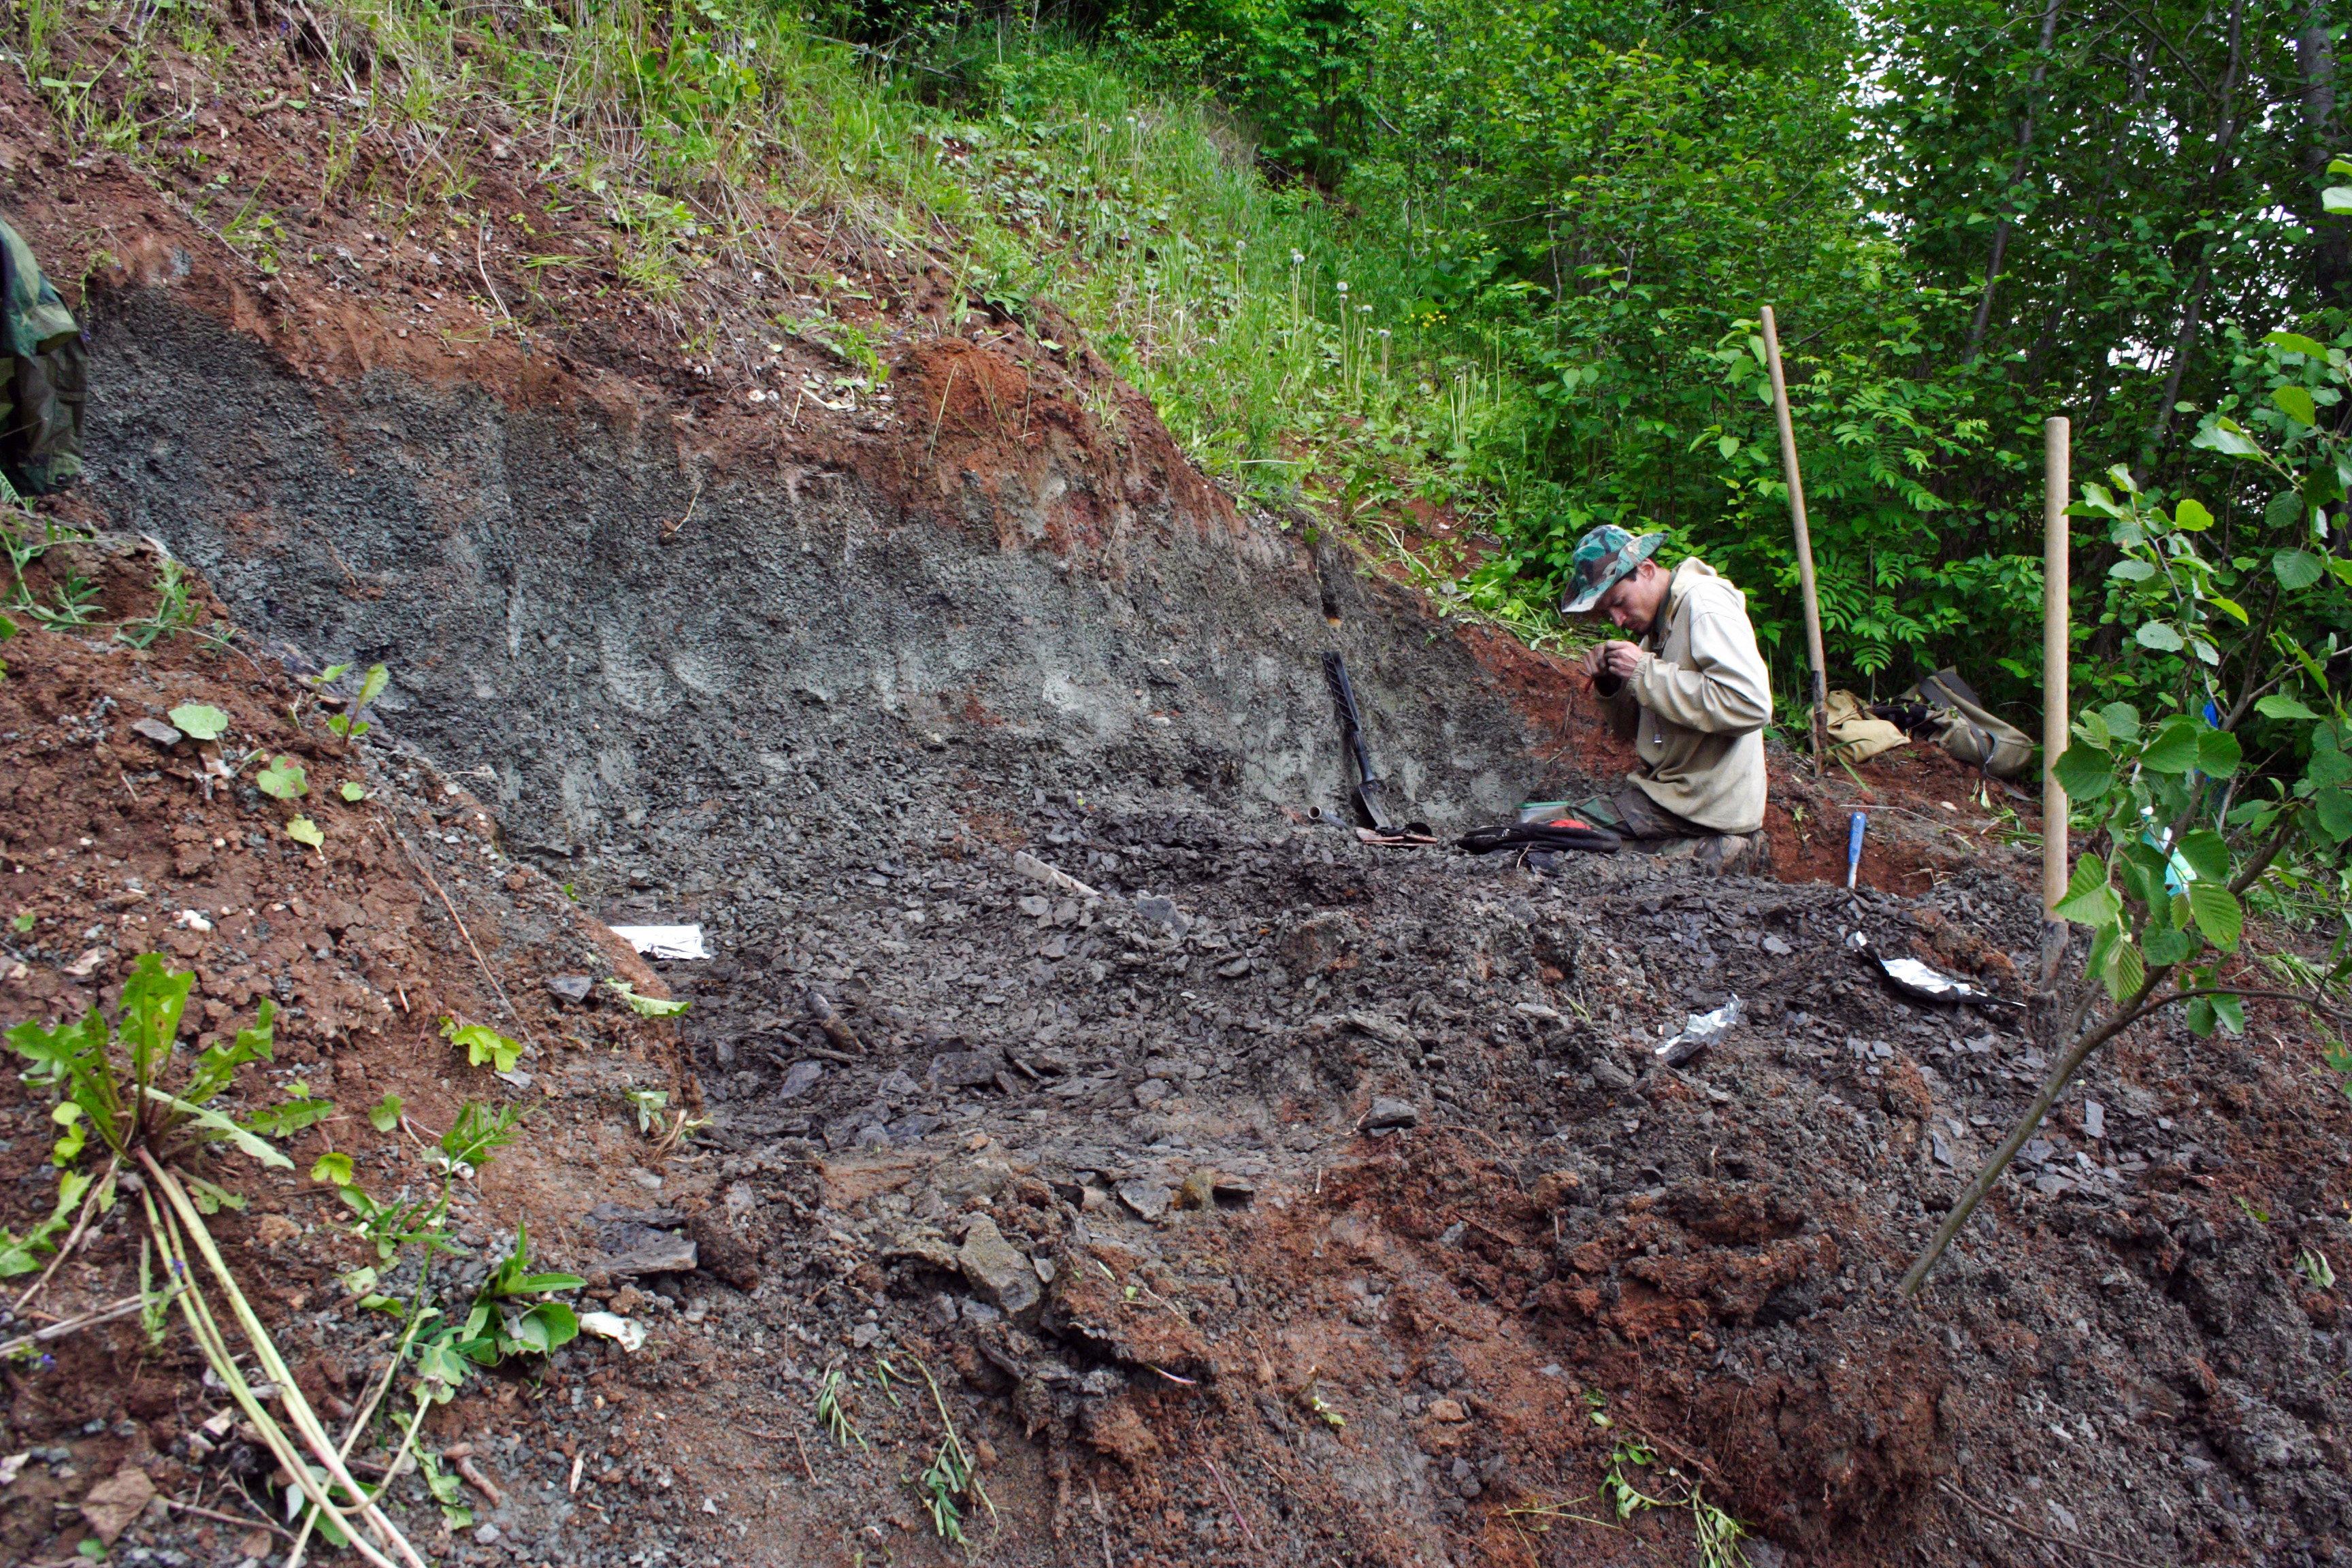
(1943, 710)
(44, 375)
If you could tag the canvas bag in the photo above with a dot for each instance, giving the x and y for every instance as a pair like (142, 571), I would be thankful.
(1957, 722)
(44, 375)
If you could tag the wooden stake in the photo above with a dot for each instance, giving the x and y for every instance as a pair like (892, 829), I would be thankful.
(1804, 539)
(2057, 484)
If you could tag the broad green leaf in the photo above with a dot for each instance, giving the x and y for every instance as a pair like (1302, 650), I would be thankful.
(2284, 512)
(2122, 721)
(378, 678)
(2173, 750)
(2168, 946)
(302, 830)
(2201, 1016)
(2207, 853)
(355, 792)
(2218, 914)
(2230, 607)
(2161, 636)
(441, 1371)
(2231, 1011)
(283, 779)
(482, 1044)
(2297, 403)
(384, 1114)
(2223, 435)
(1727, 446)
(2132, 569)
(2121, 968)
(2084, 773)
(2296, 343)
(2094, 730)
(199, 721)
(335, 1170)
(2089, 900)
(2193, 516)
(2278, 706)
(2219, 754)
(245, 1140)
(2334, 813)
(2205, 651)
(2297, 569)
(2337, 201)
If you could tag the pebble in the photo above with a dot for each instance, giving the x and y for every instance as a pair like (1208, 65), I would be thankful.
(799, 1079)
(1386, 1114)
(2095, 1119)
(570, 987)
(646, 1180)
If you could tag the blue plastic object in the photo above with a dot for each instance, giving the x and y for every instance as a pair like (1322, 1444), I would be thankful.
(1853, 849)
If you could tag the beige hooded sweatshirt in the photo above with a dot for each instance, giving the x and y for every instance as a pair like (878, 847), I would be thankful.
(1700, 698)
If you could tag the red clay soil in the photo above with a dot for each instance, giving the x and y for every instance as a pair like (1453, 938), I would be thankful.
(111, 846)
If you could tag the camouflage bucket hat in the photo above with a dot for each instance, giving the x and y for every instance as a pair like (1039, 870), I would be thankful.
(1602, 556)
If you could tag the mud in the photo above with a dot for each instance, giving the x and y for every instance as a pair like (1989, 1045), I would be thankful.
(1264, 1196)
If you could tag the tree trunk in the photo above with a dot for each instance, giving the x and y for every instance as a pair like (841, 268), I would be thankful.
(2192, 318)
(2008, 194)
(2314, 54)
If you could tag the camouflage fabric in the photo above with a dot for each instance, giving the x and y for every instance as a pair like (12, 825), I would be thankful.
(1602, 556)
(44, 379)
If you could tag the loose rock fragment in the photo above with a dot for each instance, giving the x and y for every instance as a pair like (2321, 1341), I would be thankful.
(999, 1273)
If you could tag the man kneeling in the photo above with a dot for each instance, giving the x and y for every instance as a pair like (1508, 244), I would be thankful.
(1692, 694)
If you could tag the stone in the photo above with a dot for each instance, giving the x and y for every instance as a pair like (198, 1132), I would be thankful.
(115, 1504)
(1386, 1114)
(488, 1535)
(1776, 947)
(164, 735)
(1386, 1030)
(570, 987)
(1609, 1075)
(1148, 1199)
(864, 1335)
(1150, 1092)
(1943, 1149)
(964, 1069)
(274, 1229)
(1037, 907)
(999, 1272)
(898, 1085)
(1161, 911)
(799, 1079)
(1234, 970)
(1448, 1410)
(2095, 1119)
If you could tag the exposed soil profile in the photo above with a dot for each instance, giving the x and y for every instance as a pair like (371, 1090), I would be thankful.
(1245, 1194)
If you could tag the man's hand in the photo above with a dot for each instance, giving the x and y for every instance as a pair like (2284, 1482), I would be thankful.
(1618, 659)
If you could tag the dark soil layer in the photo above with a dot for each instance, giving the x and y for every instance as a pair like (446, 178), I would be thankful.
(1249, 1194)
